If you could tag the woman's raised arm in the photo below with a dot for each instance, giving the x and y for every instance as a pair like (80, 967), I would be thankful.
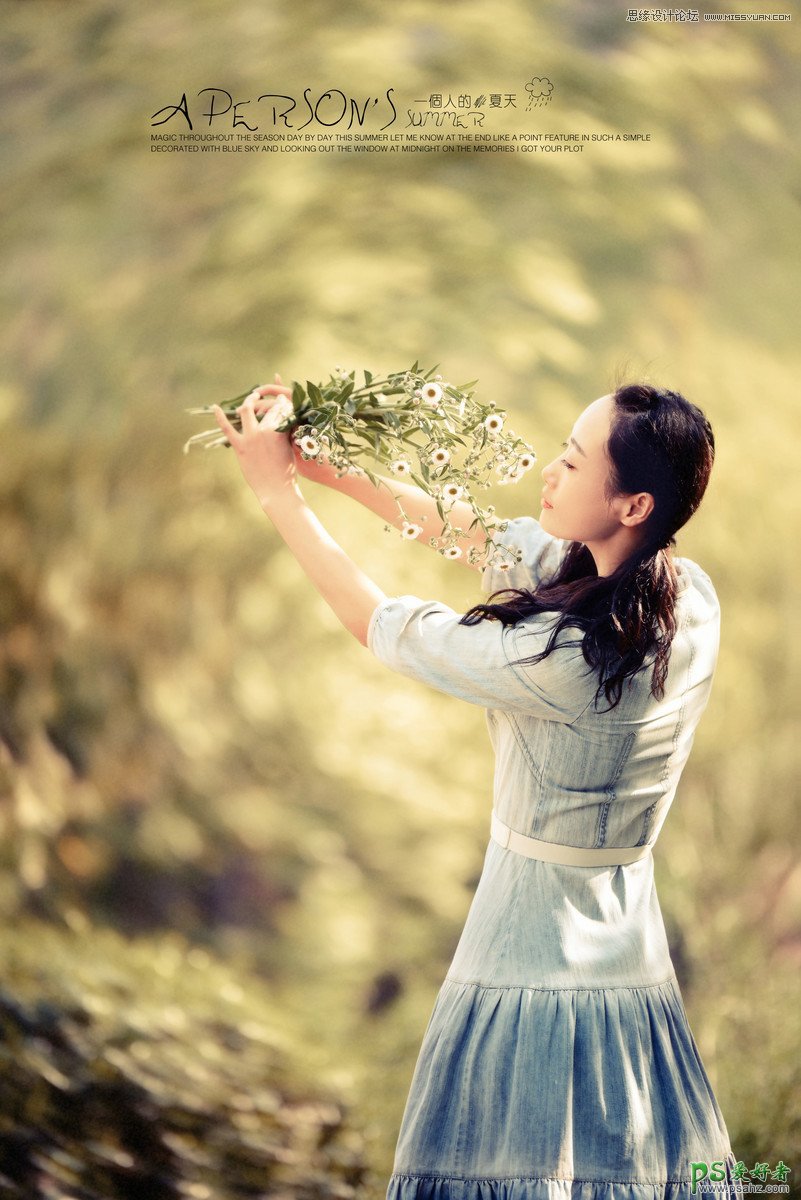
(350, 593)
(420, 508)
(267, 462)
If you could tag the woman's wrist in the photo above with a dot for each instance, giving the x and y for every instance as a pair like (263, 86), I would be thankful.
(289, 496)
(318, 470)
(321, 470)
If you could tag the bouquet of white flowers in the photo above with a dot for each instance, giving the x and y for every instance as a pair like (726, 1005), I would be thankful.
(416, 425)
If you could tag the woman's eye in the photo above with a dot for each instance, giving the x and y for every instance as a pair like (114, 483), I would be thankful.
(564, 461)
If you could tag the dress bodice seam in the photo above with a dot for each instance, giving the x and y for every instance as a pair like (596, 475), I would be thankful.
(542, 987)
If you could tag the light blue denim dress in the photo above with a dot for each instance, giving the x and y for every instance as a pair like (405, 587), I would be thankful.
(558, 1061)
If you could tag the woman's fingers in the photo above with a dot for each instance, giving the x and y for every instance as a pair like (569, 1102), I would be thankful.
(247, 413)
(271, 401)
(250, 422)
(224, 424)
(272, 415)
(266, 394)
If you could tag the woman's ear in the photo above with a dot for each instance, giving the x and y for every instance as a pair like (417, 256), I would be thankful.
(636, 508)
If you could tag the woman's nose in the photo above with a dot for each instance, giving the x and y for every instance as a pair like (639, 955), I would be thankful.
(546, 471)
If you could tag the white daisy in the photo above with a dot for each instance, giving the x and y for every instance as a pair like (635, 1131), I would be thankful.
(310, 446)
(452, 492)
(493, 423)
(452, 552)
(400, 467)
(411, 531)
(526, 461)
(432, 393)
(440, 456)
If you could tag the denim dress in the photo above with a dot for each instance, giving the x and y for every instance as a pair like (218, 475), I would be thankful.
(558, 1060)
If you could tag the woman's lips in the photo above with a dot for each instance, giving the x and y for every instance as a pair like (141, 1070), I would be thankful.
(545, 503)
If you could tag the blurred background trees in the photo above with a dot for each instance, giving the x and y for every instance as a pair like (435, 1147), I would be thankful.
(192, 748)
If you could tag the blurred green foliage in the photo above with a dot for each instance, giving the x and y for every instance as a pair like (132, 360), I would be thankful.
(148, 1069)
(190, 742)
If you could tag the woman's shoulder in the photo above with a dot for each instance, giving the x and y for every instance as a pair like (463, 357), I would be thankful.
(696, 589)
(540, 554)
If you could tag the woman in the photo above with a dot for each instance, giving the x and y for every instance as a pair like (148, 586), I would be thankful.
(558, 1059)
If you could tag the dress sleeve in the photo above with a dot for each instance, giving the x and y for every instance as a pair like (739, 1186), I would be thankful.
(541, 552)
(424, 640)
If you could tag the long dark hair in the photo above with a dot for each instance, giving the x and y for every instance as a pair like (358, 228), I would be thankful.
(661, 444)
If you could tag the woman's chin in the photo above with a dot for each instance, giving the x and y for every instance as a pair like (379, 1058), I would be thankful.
(550, 523)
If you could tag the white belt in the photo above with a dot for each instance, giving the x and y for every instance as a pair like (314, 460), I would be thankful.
(569, 856)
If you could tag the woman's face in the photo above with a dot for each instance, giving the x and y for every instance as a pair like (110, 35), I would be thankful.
(574, 502)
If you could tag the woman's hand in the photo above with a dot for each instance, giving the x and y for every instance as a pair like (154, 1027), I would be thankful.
(266, 457)
(318, 468)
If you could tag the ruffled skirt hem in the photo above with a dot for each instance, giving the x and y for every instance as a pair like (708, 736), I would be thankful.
(413, 1186)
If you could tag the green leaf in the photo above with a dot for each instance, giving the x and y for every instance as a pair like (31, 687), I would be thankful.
(298, 396)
